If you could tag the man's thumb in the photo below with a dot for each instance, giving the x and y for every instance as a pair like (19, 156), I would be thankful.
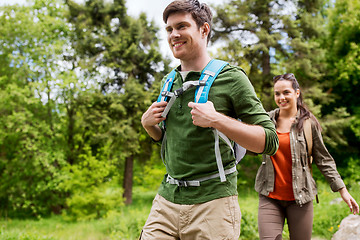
(191, 104)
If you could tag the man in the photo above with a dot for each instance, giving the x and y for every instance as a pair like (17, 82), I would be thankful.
(209, 210)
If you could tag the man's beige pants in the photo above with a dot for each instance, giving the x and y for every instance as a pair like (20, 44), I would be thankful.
(214, 220)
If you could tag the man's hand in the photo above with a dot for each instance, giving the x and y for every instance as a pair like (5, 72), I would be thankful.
(152, 116)
(251, 137)
(203, 114)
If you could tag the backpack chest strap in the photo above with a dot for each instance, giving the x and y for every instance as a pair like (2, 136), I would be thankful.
(197, 182)
(203, 85)
(176, 94)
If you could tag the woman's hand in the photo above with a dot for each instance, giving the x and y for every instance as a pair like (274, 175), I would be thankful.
(350, 201)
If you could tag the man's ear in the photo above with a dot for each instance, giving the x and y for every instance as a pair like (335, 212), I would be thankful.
(205, 29)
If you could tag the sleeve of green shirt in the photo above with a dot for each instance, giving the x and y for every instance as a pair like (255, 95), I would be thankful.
(250, 110)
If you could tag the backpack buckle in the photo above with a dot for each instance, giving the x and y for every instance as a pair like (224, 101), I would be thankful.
(166, 94)
(178, 92)
(202, 82)
(182, 183)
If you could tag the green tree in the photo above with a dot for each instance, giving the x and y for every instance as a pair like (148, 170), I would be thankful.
(342, 43)
(30, 146)
(45, 129)
(268, 37)
(125, 50)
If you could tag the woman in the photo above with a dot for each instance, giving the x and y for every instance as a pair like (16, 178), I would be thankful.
(284, 181)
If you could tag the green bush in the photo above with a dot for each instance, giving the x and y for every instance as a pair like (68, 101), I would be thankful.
(247, 169)
(128, 227)
(93, 188)
(93, 202)
(151, 173)
(124, 227)
(351, 172)
(248, 225)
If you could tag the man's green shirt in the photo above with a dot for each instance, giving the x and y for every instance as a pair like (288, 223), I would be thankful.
(189, 150)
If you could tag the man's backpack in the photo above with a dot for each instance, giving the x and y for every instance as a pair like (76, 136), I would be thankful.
(203, 85)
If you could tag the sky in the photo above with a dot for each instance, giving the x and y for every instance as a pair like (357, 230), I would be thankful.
(153, 9)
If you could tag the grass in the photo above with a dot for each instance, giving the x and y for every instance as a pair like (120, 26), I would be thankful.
(126, 223)
(52, 229)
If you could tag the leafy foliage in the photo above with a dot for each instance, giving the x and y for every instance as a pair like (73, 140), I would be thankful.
(92, 187)
(317, 41)
(271, 37)
(342, 81)
(126, 50)
(75, 79)
(30, 147)
(66, 129)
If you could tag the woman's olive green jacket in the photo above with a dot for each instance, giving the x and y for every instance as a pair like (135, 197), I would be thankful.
(303, 183)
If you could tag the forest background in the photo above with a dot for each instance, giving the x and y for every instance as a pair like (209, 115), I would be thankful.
(75, 79)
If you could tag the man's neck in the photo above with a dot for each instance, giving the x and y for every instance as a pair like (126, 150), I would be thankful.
(196, 64)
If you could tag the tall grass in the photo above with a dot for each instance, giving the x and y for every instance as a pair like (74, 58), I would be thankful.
(125, 223)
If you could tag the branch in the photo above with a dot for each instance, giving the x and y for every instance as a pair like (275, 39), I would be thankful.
(229, 30)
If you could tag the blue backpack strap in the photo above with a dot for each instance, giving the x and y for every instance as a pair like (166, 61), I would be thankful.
(207, 78)
(167, 85)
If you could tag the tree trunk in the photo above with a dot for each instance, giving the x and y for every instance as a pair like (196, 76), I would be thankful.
(266, 64)
(266, 73)
(70, 132)
(128, 180)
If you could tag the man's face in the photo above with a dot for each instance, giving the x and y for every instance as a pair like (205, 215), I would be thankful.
(185, 39)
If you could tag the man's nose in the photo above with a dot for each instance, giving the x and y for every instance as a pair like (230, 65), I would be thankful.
(174, 34)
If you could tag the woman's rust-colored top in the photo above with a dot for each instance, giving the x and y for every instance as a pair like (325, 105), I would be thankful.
(282, 162)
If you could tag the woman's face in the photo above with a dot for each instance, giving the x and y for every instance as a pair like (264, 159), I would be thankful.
(285, 95)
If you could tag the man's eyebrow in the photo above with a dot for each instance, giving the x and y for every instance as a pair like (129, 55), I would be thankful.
(177, 24)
